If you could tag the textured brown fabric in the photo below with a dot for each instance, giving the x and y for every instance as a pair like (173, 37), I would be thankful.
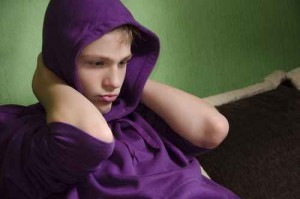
(260, 158)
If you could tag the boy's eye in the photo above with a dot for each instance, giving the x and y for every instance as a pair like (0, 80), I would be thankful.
(96, 63)
(124, 63)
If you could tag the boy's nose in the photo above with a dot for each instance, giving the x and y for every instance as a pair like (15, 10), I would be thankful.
(113, 79)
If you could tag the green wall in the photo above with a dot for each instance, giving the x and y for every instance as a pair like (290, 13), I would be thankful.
(208, 46)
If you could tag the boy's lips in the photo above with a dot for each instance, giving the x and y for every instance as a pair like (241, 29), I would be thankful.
(108, 98)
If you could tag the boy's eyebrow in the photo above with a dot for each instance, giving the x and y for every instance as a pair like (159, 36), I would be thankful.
(127, 57)
(104, 57)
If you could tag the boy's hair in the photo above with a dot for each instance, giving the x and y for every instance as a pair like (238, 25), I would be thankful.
(128, 33)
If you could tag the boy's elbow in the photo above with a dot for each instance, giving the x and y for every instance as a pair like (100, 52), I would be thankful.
(215, 133)
(219, 132)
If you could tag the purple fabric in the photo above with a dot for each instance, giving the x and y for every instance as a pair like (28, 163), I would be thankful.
(146, 160)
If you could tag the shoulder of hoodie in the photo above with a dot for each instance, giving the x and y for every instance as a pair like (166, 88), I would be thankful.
(14, 115)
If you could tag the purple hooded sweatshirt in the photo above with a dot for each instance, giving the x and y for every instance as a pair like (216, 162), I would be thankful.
(56, 160)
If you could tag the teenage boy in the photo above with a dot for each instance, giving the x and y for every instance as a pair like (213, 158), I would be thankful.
(102, 129)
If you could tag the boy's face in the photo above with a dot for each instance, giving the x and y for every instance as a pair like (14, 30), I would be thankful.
(102, 68)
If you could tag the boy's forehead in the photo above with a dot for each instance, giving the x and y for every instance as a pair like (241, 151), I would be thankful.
(109, 42)
(107, 55)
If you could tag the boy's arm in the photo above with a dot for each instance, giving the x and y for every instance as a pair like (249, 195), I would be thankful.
(41, 159)
(64, 104)
(189, 116)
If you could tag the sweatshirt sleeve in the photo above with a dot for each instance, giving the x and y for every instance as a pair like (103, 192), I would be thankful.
(45, 159)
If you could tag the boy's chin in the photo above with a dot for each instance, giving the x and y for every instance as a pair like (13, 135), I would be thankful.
(104, 110)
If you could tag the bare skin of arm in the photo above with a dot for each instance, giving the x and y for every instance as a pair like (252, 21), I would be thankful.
(189, 116)
(65, 104)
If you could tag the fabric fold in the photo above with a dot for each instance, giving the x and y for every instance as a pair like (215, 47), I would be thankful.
(50, 158)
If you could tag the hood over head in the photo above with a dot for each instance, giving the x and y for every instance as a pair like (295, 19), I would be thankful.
(70, 25)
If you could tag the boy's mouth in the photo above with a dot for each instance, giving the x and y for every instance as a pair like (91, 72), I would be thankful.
(108, 98)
